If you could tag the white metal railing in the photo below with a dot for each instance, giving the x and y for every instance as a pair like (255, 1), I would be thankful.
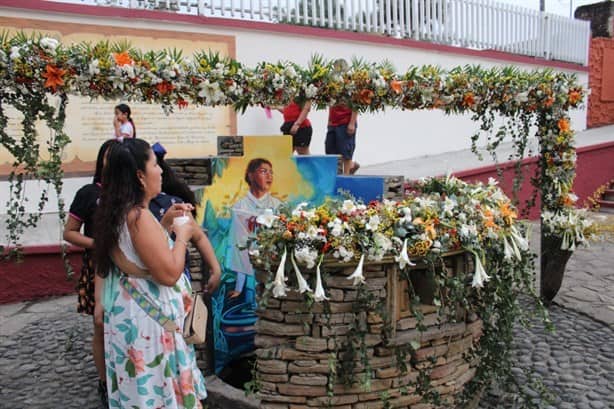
(477, 24)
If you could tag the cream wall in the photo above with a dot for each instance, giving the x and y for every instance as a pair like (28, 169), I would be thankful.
(381, 137)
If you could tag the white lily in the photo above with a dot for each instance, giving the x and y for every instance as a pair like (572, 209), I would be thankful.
(49, 43)
(302, 283)
(15, 54)
(522, 243)
(373, 223)
(480, 276)
(403, 258)
(279, 285)
(93, 67)
(266, 218)
(306, 256)
(319, 294)
(522, 97)
(508, 251)
(311, 91)
(516, 251)
(348, 207)
(357, 275)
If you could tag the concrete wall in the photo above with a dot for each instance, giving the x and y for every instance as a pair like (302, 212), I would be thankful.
(381, 137)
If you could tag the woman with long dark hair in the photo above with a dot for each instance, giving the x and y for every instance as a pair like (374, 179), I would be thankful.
(176, 199)
(81, 214)
(148, 362)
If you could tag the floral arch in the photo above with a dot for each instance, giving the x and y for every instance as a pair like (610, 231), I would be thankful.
(37, 74)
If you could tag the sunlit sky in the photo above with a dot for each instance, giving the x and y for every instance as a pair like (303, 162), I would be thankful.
(560, 7)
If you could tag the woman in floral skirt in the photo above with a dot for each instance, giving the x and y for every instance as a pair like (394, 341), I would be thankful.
(148, 363)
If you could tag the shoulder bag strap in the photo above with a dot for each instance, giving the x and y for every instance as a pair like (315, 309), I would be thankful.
(151, 310)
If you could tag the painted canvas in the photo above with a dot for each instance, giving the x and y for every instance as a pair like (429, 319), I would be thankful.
(244, 187)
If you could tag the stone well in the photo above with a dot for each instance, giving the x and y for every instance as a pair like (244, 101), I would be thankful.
(297, 345)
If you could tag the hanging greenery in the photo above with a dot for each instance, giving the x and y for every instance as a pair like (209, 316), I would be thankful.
(37, 73)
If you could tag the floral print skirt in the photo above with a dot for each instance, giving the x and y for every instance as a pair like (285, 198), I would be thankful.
(148, 367)
(85, 286)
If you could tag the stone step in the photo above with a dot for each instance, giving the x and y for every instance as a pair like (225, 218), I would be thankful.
(608, 195)
(606, 206)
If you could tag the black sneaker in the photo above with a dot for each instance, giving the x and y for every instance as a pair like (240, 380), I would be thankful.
(103, 394)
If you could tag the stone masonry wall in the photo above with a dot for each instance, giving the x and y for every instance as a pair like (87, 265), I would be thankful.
(600, 16)
(195, 171)
(297, 346)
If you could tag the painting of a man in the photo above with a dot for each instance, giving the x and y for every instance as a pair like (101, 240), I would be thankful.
(259, 178)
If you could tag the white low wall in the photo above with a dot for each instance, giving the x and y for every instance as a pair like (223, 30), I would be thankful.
(381, 137)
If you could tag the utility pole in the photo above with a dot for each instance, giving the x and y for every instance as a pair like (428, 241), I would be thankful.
(542, 5)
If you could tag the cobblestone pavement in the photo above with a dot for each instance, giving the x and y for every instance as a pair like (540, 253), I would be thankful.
(588, 285)
(45, 358)
(576, 362)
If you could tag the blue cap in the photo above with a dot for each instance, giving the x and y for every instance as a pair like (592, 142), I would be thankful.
(158, 149)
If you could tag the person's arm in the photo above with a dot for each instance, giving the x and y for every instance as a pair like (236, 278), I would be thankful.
(202, 243)
(72, 234)
(302, 116)
(352, 123)
(117, 125)
(176, 210)
(151, 244)
(98, 306)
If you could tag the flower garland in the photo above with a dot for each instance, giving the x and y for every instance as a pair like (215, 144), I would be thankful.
(463, 216)
(34, 67)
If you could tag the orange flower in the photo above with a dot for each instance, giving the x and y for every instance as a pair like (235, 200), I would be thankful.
(574, 97)
(122, 58)
(397, 86)
(548, 102)
(164, 87)
(429, 229)
(54, 77)
(563, 125)
(468, 99)
(508, 213)
(365, 96)
(489, 219)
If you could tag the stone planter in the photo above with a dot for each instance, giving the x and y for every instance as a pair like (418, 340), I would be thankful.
(298, 345)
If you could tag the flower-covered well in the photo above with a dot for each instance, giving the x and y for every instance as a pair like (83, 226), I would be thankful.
(354, 274)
